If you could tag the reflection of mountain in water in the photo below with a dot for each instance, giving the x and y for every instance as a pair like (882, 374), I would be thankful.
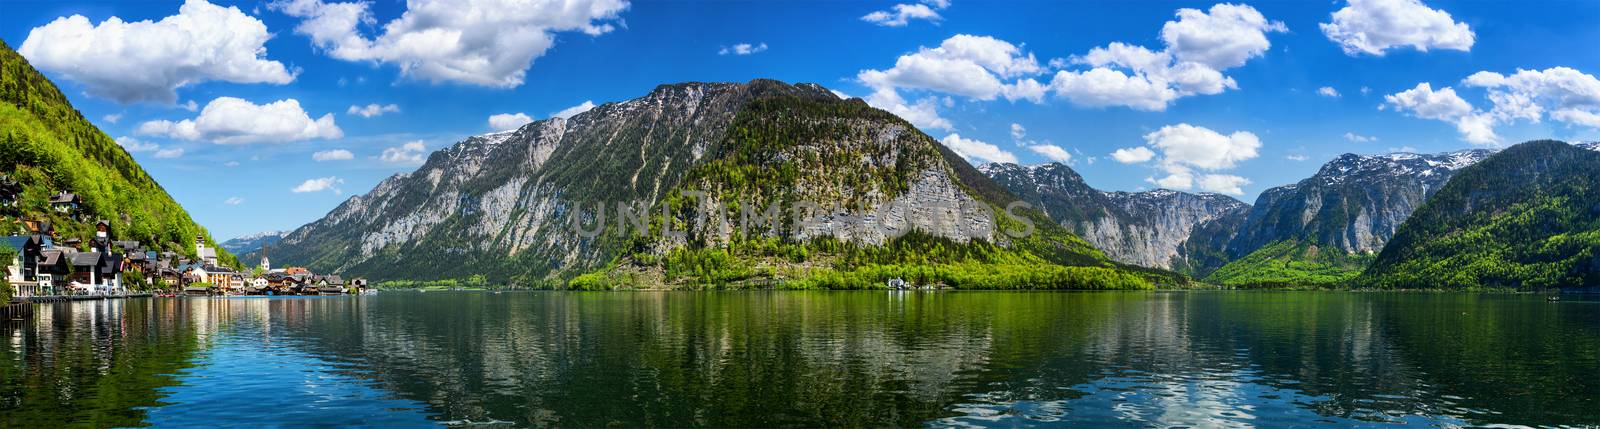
(809, 359)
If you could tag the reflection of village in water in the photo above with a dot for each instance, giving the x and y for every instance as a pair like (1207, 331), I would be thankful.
(872, 359)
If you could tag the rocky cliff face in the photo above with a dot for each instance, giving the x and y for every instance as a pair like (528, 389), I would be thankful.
(518, 205)
(1148, 229)
(1353, 204)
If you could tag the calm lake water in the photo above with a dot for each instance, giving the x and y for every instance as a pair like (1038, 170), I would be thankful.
(406, 359)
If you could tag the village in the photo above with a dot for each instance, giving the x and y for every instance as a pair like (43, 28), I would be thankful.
(47, 266)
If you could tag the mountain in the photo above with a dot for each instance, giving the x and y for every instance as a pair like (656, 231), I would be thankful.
(1526, 218)
(48, 147)
(1151, 229)
(859, 192)
(1326, 228)
(252, 242)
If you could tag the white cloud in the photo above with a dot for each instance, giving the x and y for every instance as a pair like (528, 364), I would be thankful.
(1328, 91)
(228, 120)
(1560, 93)
(1200, 147)
(135, 145)
(234, 201)
(190, 106)
(1133, 155)
(330, 183)
(112, 117)
(508, 121)
(480, 42)
(1224, 37)
(965, 65)
(1223, 184)
(1018, 133)
(333, 155)
(169, 153)
(1357, 138)
(1103, 87)
(231, 164)
(1185, 148)
(1199, 46)
(371, 110)
(1375, 26)
(743, 49)
(1444, 105)
(409, 153)
(569, 112)
(1296, 157)
(924, 113)
(974, 150)
(1052, 152)
(902, 14)
(150, 60)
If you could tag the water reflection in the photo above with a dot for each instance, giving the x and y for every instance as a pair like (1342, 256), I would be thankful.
(809, 359)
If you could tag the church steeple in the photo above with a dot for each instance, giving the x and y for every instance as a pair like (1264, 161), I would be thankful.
(266, 265)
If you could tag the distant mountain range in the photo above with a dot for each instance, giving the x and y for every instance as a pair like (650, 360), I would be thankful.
(890, 202)
(502, 205)
(252, 242)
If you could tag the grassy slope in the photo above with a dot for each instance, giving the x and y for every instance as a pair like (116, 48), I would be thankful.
(1527, 217)
(48, 146)
(1291, 263)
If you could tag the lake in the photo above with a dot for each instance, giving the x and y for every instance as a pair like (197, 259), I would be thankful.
(908, 359)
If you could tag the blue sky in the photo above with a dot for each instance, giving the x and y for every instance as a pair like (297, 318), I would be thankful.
(1253, 116)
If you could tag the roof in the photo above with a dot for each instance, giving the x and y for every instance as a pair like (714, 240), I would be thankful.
(18, 242)
(86, 259)
(50, 257)
(63, 198)
(208, 252)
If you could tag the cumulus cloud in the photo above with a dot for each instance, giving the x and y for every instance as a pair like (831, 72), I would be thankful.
(1184, 149)
(1200, 147)
(233, 201)
(569, 112)
(1052, 152)
(964, 65)
(1374, 27)
(112, 117)
(409, 153)
(1223, 184)
(1357, 138)
(1561, 94)
(1296, 157)
(743, 49)
(976, 151)
(488, 43)
(1199, 46)
(1018, 132)
(228, 120)
(1444, 105)
(923, 113)
(508, 121)
(131, 144)
(1328, 91)
(332, 155)
(169, 153)
(372, 110)
(330, 183)
(1133, 155)
(149, 60)
(901, 14)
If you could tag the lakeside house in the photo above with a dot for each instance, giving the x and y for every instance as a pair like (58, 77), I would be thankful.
(45, 264)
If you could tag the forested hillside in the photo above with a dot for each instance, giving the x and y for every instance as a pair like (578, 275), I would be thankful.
(1526, 218)
(47, 147)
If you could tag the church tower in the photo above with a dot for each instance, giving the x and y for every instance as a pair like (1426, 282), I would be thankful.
(266, 265)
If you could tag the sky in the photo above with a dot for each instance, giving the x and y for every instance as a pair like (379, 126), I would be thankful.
(261, 116)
